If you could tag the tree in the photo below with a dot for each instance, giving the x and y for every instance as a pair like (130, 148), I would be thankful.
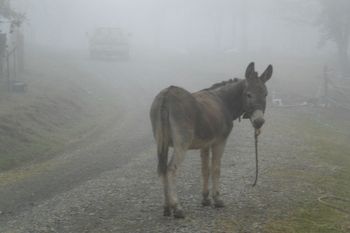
(334, 22)
(6, 11)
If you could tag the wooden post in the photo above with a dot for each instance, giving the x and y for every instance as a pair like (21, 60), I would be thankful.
(20, 51)
(326, 83)
(1, 66)
(8, 72)
(3, 40)
(14, 64)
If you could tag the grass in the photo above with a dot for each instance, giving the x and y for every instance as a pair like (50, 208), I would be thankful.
(25, 153)
(309, 219)
(330, 142)
(56, 109)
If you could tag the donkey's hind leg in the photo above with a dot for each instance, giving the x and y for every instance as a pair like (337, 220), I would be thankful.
(167, 208)
(217, 151)
(176, 160)
(205, 176)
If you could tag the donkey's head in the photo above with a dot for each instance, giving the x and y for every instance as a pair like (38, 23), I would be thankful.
(254, 95)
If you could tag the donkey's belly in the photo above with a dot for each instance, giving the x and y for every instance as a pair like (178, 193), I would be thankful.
(199, 144)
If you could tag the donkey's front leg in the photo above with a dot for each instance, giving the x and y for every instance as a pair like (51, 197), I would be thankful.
(205, 176)
(217, 151)
(174, 164)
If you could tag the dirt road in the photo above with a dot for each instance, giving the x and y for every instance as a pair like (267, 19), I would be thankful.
(107, 182)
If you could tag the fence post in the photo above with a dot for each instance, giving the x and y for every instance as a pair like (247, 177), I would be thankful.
(326, 83)
(8, 72)
(3, 40)
(14, 64)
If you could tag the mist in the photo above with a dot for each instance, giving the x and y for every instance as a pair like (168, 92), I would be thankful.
(121, 115)
(249, 26)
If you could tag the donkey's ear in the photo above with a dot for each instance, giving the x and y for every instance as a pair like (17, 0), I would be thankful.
(267, 74)
(250, 70)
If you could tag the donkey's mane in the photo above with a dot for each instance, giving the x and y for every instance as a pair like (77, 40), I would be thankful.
(221, 84)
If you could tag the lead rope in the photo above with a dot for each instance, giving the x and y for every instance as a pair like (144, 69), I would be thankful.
(256, 135)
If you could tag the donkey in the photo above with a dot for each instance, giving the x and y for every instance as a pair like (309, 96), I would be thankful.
(203, 120)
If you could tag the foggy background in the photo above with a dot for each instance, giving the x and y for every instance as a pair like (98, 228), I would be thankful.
(76, 147)
(252, 26)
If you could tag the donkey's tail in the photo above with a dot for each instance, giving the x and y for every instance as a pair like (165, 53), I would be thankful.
(163, 138)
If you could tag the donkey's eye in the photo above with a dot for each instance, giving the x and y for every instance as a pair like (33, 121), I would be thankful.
(249, 95)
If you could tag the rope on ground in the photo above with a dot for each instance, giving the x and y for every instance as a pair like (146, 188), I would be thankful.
(323, 201)
(330, 197)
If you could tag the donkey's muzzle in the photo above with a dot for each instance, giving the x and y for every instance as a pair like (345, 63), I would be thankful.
(257, 119)
(258, 123)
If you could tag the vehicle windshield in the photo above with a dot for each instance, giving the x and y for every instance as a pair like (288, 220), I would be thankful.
(108, 35)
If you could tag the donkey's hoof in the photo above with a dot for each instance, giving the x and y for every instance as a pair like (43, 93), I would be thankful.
(167, 212)
(206, 202)
(179, 213)
(219, 203)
